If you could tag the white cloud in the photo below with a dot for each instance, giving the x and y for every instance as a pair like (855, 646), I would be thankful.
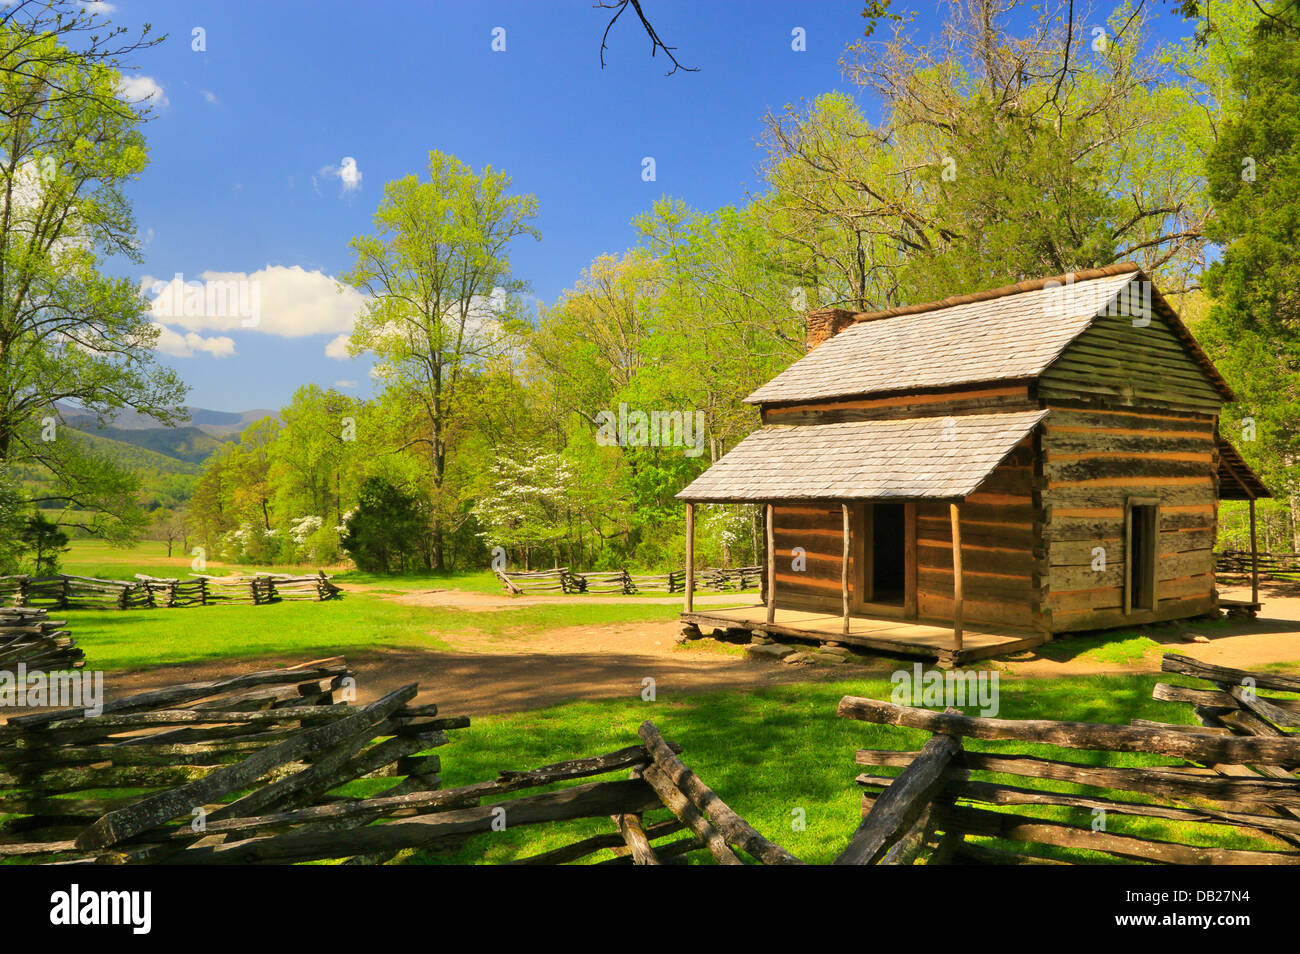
(346, 172)
(97, 6)
(187, 345)
(210, 96)
(338, 348)
(144, 90)
(289, 302)
(345, 384)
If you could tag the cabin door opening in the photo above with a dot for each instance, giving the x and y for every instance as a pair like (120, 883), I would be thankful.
(888, 554)
(1140, 562)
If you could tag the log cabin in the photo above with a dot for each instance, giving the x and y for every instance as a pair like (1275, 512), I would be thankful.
(973, 476)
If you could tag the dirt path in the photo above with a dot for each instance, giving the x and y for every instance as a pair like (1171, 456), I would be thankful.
(496, 674)
(479, 683)
(1273, 638)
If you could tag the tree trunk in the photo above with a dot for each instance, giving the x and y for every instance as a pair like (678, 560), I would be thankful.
(1295, 522)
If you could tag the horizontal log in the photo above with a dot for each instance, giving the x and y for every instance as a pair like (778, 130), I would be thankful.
(1078, 735)
(593, 799)
(1186, 666)
(994, 793)
(974, 821)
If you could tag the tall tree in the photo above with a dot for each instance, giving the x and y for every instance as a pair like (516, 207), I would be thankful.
(1253, 325)
(441, 296)
(68, 332)
(1015, 141)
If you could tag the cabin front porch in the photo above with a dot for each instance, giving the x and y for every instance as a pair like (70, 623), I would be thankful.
(917, 638)
(868, 550)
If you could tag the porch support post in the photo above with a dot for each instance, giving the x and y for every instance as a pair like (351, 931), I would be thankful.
(956, 575)
(771, 568)
(844, 569)
(1254, 557)
(690, 556)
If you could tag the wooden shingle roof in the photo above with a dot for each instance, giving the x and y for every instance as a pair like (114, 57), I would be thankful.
(1010, 333)
(908, 459)
(1236, 479)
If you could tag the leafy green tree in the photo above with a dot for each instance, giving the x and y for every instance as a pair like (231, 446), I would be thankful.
(45, 542)
(250, 464)
(1013, 142)
(12, 517)
(312, 451)
(210, 508)
(1253, 325)
(383, 534)
(441, 297)
(69, 333)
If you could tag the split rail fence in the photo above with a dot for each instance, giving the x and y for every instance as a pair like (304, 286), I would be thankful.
(147, 592)
(1237, 563)
(29, 637)
(1233, 775)
(248, 770)
(564, 580)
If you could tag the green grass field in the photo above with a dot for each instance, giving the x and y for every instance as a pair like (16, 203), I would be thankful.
(98, 559)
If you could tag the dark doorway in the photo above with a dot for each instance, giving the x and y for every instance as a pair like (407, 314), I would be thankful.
(1142, 556)
(888, 562)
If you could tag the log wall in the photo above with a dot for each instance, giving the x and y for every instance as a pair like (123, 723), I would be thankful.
(1094, 460)
(1002, 567)
(1003, 570)
(1123, 364)
(819, 529)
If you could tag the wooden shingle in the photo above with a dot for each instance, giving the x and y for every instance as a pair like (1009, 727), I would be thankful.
(908, 459)
(1007, 334)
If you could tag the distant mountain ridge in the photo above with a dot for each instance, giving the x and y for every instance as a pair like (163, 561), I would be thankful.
(189, 444)
(216, 423)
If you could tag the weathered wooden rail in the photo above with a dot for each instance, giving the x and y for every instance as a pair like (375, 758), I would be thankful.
(564, 580)
(28, 636)
(946, 794)
(1237, 563)
(147, 592)
(249, 770)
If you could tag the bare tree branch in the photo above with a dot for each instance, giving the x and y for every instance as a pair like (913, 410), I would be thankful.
(656, 43)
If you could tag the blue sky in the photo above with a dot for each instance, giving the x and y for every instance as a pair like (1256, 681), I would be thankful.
(250, 136)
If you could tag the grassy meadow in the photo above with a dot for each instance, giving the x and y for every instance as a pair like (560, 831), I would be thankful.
(138, 639)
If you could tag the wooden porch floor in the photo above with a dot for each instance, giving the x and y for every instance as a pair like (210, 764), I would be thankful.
(926, 639)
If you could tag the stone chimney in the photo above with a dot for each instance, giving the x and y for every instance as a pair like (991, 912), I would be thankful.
(824, 324)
